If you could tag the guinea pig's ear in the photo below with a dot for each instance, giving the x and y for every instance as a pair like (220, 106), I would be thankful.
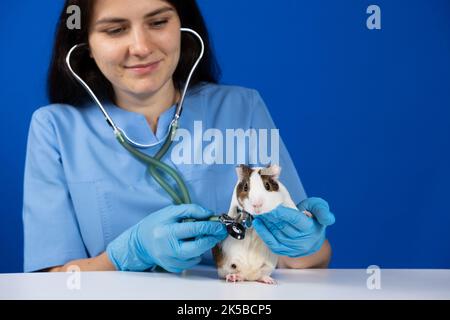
(272, 170)
(239, 171)
(243, 171)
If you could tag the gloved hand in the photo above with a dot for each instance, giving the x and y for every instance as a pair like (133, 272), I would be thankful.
(162, 239)
(291, 233)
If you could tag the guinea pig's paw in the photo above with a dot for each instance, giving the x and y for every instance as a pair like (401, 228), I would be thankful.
(234, 277)
(267, 280)
(308, 214)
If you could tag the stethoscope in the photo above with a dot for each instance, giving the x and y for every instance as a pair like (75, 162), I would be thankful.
(236, 227)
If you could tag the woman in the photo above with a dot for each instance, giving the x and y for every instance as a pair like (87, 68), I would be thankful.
(88, 203)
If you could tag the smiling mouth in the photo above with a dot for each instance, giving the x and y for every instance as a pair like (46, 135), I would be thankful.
(144, 68)
(142, 65)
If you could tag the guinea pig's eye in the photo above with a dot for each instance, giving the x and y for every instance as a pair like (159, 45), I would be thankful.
(233, 266)
(267, 186)
(245, 187)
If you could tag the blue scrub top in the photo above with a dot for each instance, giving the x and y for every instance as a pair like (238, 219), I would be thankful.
(82, 188)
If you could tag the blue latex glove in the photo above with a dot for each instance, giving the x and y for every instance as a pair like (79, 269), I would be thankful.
(288, 232)
(162, 239)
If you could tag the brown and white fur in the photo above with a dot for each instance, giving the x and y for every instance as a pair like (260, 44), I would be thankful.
(257, 191)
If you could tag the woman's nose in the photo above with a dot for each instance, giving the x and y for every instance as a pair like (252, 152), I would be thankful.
(140, 43)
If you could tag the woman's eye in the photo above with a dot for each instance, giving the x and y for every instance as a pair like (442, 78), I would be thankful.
(114, 31)
(159, 23)
(267, 186)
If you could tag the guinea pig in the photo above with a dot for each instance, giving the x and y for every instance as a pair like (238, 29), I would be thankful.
(257, 191)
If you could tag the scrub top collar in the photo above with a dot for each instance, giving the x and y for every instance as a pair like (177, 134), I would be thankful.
(136, 126)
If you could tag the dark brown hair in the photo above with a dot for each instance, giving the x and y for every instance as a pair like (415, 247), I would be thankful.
(63, 88)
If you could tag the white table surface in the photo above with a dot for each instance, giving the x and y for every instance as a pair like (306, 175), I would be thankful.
(202, 283)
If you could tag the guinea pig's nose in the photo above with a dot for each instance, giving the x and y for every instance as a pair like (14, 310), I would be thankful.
(257, 204)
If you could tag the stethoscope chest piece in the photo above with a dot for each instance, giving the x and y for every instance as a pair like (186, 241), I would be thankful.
(236, 230)
(237, 227)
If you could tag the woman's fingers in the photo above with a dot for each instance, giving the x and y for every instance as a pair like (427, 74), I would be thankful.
(281, 216)
(320, 210)
(187, 230)
(269, 239)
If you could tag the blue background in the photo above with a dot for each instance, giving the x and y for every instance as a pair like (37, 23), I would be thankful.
(364, 113)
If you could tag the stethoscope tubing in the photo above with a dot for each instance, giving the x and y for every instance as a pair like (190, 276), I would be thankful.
(154, 163)
(234, 227)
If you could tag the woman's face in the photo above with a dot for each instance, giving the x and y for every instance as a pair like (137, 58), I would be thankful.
(136, 44)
